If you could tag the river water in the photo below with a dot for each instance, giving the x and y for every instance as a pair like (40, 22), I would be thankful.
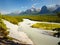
(36, 34)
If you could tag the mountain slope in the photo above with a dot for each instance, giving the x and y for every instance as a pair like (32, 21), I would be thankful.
(31, 11)
(44, 10)
(57, 10)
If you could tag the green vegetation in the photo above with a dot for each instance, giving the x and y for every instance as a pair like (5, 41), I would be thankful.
(11, 19)
(42, 18)
(3, 29)
(18, 18)
(46, 26)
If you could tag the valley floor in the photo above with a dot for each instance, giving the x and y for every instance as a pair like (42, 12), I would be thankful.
(35, 35)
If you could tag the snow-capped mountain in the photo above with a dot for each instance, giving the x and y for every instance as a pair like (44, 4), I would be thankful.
(31, 11)
(50, 9)
(53, 7)
(43, 10)
(57, 10)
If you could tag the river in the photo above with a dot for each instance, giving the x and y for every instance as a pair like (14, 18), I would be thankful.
(36, 34)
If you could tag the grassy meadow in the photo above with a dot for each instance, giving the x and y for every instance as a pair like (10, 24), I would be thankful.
(46, 26)
(16, 19)
(42, 18)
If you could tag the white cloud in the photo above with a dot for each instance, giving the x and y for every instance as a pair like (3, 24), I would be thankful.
(52, 7)
(23, 7)
(37, 3)
(33, 6)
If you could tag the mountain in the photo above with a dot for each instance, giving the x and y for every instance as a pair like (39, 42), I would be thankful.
(52, 7)
(31, 11)
(44, 10)
(57, 10)
(14, 13)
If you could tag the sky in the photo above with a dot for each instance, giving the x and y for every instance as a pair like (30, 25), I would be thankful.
(8, 6)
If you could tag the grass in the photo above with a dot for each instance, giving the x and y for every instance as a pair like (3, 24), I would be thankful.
(46, 26)
(46, 18)
(43, 18)
(11, 19)
(17, 19)
(2, 25)
(3, 29)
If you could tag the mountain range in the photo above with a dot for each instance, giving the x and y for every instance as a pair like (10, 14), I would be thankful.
(43, 10)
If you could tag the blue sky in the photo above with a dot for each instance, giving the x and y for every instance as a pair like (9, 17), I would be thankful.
(7, 6)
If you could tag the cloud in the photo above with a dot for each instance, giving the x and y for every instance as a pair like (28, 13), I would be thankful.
(23, 7)
(35, 4)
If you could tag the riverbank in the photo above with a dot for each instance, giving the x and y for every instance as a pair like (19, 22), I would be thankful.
(14, 33)
(33, 34)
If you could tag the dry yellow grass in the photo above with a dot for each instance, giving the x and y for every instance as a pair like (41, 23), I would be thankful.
(46, 26)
